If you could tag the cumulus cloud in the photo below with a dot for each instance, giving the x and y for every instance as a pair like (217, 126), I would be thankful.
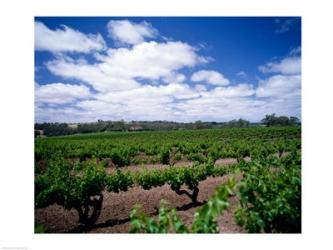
(174, 77)
(280, 86)
(91, 74)
(148, 93)
(281, 91)
(289, 66)
(221, 103)
(210, 76)
(66, 40)
(179, 102)
(126, 32)
(60, 93)
(118, 69)
(146, 102)
(148, 80)
(175, 101)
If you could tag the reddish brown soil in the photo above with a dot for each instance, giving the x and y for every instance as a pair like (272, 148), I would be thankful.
(284, 154)
(225, 161)
(184, 164)
(136, 168)
(116, 208)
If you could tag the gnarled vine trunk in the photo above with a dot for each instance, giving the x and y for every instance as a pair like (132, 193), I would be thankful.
(193, 196)
(91, 210)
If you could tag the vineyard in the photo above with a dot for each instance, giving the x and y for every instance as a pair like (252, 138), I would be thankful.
(184, 181)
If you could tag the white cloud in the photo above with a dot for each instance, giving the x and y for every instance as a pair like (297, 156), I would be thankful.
(220, 104)
(146, 81)
(200, 88)
(287, 66)
(210, 76)
(150, 94)
(60, 93)
(174, 77)
(175, 101)
(118, 69)
(66, 40)
(280, 86)
(91, 74)
(126, 32)
(240, 90)
(146, 102)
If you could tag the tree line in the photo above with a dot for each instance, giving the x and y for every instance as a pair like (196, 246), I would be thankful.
(57, 129)
(273, 120)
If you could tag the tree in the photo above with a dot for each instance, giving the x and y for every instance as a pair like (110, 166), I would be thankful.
(269, 120)
(198, 124)
(294, 120)
(273, 120)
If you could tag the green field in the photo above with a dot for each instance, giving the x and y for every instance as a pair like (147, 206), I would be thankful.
(72, 172)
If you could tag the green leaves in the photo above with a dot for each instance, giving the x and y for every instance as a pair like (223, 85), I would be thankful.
(70, 171)
(121, 181)
(176, 176)
(270, 197)
(168, 220)
(205, 217)
(71, 188)
(150, 179)
(167, 146)
(120, 158)
(165, 156)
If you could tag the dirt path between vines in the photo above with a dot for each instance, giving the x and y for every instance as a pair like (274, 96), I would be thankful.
(116, 209)
(137, 168)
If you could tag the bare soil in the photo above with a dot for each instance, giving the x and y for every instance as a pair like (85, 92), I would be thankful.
(225, 161)
(137, 168)
(117, 206)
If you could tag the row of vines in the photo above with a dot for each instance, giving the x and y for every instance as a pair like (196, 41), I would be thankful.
(71, 172)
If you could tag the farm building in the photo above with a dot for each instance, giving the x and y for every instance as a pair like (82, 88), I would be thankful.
(135, 128)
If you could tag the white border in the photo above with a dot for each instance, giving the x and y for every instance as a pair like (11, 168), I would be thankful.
(17, 113)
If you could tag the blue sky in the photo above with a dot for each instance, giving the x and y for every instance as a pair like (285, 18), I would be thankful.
(166, 68)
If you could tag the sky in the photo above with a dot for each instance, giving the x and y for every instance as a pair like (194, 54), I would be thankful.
(166, 68)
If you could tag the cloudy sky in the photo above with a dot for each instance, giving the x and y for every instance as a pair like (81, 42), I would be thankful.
(180, 69)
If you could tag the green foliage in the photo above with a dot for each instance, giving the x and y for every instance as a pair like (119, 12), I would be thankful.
(205, 217)
(70, 171)
(178, 156)
(150, 179)
(39, 228)
(169, 222)
(120, 159)
(197, 157)
(69, 188)
(195, 145)
(272, 120)
(270, 197)
(121, 181)
(165, 156)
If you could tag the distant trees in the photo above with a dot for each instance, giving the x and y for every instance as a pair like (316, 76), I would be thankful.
(101, 126)
(273, 120)
(199, 124)
(53, 129)
(240, 123)
(56, 129)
